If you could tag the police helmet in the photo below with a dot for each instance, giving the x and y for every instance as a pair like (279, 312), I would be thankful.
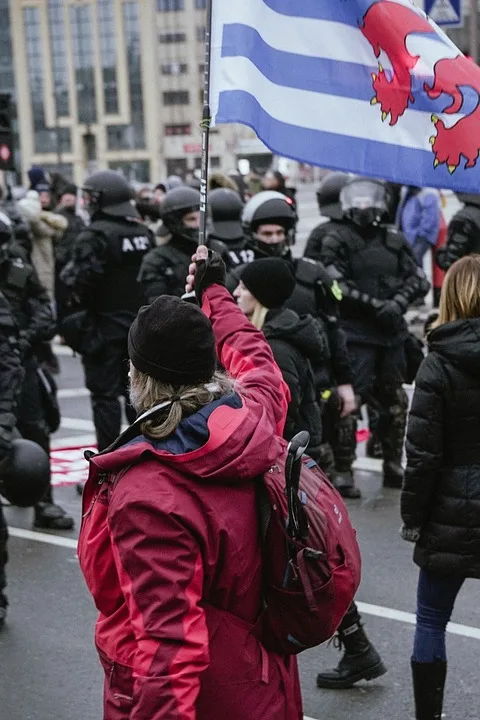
(268, 207)
(25, 473)
(328, 194)
(176, 204)
(173, 181)
(108, 192)
(364, 201)
(226, 211)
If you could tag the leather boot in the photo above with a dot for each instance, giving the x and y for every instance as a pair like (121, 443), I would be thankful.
(428, 685)
(392, 441)
(49, 516)
(345, 484)
(360, 661)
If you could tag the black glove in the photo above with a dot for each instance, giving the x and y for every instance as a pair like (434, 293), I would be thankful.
(211, 271)
(389, 315)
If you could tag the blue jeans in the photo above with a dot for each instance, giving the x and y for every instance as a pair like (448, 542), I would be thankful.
(436, 597)
(419, 248)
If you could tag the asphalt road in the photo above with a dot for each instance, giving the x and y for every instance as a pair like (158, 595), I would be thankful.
(48, 665)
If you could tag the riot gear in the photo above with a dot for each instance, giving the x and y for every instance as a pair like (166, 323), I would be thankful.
(269, 208)
(328, 195)
(226, 210)
(364, 202)
(25, 473)
(177, 203)
(109, 193)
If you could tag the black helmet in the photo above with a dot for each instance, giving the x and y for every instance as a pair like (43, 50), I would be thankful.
(269, 208)
(173, 181)
(25, 474)
(328, 194)
(226, 210)
(109, 193)
(176, 204)
(364, 201)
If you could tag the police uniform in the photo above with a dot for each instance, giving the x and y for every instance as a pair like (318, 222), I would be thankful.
(11, 374)
(463, 234)
(102, 276)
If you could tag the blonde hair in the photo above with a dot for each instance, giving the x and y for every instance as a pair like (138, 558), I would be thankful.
(147, 392)
(460, 296)
(258, 316)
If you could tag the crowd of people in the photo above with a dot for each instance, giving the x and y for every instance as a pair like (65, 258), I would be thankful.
(82, 265)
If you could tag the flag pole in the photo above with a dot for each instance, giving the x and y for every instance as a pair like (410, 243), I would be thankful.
(205, 125)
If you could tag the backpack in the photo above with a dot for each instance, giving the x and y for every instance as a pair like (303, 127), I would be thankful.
(311, 558)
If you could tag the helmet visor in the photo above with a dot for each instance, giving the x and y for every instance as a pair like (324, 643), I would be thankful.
(363, 195)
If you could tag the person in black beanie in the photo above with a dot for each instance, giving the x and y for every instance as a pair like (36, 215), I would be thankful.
(296, 342)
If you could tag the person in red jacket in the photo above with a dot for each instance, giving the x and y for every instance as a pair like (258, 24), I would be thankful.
(169, 544)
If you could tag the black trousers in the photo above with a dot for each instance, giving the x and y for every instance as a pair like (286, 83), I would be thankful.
(106, 377)
(3, 549)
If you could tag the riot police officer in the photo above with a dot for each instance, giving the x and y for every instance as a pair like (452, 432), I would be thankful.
(102, 278)
(378, 275)
(463, 232)
(226, 208)
(328, 199)
(32, 311)
(164, 269)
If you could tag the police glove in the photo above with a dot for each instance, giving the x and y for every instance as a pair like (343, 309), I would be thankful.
(211, 271)
(389, 315)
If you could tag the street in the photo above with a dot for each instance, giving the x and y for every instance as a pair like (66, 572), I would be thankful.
(49, 669)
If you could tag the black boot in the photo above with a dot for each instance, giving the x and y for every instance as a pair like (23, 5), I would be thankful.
(428, 685)
(392, 432)
(360, 661)
(374, 447)
(345, 484)
(49, 516)
(3, 609)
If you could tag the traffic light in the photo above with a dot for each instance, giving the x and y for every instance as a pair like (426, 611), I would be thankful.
(6, 133)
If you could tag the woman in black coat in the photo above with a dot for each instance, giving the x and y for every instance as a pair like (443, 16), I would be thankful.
(296, 342)
(440, 502)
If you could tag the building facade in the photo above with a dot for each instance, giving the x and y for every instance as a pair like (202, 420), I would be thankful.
(110, 84)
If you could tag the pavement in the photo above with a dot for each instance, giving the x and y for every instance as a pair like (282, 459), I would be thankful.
(48, 665)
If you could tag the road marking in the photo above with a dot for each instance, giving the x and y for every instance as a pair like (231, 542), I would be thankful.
(58, 540)
(85, 441)
(72, 393)
(68, 423)
(366, 608)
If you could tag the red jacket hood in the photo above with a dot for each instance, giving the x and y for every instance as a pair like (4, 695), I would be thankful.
(227, 441)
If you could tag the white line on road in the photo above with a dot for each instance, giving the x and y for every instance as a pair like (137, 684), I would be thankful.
(58, 540)
(67, 393)
(84, 441)
(375, 610)
(77, 424)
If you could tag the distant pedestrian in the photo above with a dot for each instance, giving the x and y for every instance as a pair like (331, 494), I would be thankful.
(441, 494)
(418, 217)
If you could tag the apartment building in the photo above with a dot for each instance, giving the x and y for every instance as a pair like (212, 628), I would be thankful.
(111, 83)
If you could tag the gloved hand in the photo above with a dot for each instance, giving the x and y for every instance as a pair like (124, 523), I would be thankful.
(389, 315)
(207, 269)
(410, 534)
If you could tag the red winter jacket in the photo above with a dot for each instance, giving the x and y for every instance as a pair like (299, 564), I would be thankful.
(169, 547)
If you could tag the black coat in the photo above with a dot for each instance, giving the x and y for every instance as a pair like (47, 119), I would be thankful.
(296, 343)
(441, 492)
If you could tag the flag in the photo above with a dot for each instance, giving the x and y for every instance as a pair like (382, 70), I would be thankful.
(370, 87)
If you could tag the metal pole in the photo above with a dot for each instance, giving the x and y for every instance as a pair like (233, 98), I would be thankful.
(474, 30)
(205, 125)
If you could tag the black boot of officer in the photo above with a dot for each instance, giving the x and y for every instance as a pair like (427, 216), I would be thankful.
(360, 660)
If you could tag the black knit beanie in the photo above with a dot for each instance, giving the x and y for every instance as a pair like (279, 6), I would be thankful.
(270, 280)
(172, 341)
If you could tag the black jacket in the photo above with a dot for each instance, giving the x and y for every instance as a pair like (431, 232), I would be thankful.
(65, 244)
(11, 375)
(371, 267)
(296, 343)
(441, 492)
(463, 236)
(27, 298)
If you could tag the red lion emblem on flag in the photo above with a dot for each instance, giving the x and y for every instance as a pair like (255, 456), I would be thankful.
(387, 26)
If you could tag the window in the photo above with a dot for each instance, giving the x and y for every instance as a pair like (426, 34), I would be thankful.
(200, 4)
(106, 24)
(135, 171)
(59, 56)
(177, 166)
(179, 129)
(214, 162)
(201, 31)
(169, 5)
(7, 78)
(83, 58)
(176, 97)
(172, 37)
(174, 68)
(131, 21)
(35, 65)
(201, 68)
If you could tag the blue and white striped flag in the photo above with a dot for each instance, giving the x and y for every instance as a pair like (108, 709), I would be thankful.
(372, 87)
